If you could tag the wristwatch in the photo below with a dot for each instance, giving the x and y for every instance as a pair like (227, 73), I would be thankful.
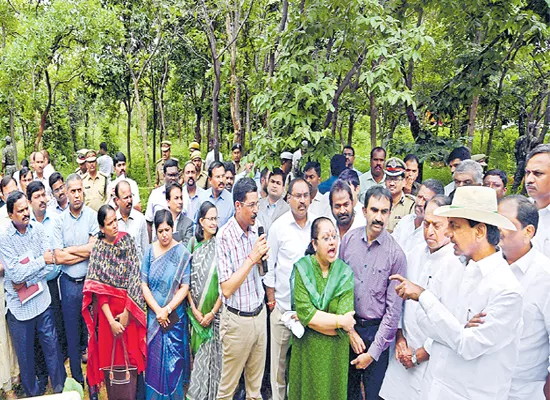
(413, 358)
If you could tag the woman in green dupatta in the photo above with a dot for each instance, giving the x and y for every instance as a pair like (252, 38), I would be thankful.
(204, 300)
(322, 296)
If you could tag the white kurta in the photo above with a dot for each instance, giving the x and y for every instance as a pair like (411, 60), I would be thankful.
(541, 241)
(424, 269)
(407, 235)
(533, 273)
(472, 363)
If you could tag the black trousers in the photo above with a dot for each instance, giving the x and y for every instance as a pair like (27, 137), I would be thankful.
(373, 376)
(23, 334)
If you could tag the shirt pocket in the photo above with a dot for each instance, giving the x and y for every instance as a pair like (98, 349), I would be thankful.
(378, 283)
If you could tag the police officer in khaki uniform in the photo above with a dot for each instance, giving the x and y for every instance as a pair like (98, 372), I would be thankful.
(94, 183)
(165, 146)
(402, 204)
(81, 160)
(202, 177)
(194, 146)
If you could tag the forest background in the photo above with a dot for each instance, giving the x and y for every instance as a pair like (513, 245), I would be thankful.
(414, 76)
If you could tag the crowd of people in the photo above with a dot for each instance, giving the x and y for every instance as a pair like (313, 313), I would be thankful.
(239, 283)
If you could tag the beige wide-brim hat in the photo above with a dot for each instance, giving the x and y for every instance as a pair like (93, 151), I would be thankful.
(478, 203)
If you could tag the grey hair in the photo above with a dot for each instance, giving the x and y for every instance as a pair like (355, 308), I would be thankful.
(72, 177)
(471, 167)
(434, 185)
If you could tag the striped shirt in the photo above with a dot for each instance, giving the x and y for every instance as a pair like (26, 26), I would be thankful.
(233, 246)
(14, 247)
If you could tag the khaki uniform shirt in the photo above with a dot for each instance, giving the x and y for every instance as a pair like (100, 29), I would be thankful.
(159, 171)
(95, 190)
(404, 207)
(202, 180)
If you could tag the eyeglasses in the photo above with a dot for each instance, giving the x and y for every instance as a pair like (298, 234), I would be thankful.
(59, 189)
(211, 219)
(252, 205)
(348, 154)
(328, 238)
(300, 196)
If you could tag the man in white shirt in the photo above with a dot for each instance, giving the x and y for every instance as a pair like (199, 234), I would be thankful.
(537, 184)
(48, 167)
(319, 202)
(273, 206)
(470, 360)
(428, 264)
(120, 172)
(288, 239)
(7, 185)
(409, 232)
(531, 378)
(104, 161)
(349, 153)
(157, 199)
(210, 156)
(38, 165)
(59, 191)
(129, 219)
(458, 155)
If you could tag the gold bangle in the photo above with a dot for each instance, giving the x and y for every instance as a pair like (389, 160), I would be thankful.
(337, 324)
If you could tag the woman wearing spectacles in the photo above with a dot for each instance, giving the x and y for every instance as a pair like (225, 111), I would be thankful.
(205, 302)
(322, 295)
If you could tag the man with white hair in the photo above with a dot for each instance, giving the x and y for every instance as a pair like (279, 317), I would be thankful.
(430, 262)
(468, 359)
(468, 173)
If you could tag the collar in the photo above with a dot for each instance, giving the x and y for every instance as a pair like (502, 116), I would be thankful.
(442, 252)
(251, 228)
(381, 239)
(33, 217)
(488, 264)
(525, 262)
(73, 216)
(131, 216)
(12, 231)
(187, 192)
(220, 197)
(318, 196)
(274, 204)
(309, 220)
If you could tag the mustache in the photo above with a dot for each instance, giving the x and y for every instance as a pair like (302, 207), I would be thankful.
(377, 223)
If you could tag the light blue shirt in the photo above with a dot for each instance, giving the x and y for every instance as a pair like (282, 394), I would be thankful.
(14, 248)
(75, 231)
(194, 203)
(48, 223)
(224, 204)
(56, 209)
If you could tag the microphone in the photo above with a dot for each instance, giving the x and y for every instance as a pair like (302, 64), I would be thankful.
(261, 231)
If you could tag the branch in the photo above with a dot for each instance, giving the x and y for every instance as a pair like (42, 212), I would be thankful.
(238, 31)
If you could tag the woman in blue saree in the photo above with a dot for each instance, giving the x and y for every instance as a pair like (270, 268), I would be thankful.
(165, 282)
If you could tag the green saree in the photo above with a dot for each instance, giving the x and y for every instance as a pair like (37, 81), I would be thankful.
(318, 362)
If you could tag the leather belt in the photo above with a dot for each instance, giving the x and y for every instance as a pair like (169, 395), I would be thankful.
(75, 280)
(367, 322)
(246, 313)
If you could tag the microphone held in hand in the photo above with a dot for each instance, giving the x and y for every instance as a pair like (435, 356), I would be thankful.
(261, 231)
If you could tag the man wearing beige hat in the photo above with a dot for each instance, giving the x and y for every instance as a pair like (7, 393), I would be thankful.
(194, 146)
(81, 160)
(402, 203)
(202, 176)
(474, 320)
(94, 183)
(165, 147)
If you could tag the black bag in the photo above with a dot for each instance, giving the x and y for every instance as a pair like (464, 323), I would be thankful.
(120, 380)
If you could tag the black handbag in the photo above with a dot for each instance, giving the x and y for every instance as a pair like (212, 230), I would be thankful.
(120, 380)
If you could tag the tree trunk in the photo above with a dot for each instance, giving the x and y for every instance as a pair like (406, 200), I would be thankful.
(373, 113)
(155, 114)
(472, 121)
(128, 107)
(12, 128)
(231, 25)
(161, 101)
(546, 122)
(44, 113)
(142, 129)
(351, 123)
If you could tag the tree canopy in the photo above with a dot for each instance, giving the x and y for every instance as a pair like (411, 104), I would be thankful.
(414, 75)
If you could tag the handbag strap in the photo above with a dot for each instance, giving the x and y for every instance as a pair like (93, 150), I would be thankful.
(126, 359)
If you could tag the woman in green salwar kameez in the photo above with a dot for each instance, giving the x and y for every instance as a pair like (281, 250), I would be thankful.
(322, 296)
